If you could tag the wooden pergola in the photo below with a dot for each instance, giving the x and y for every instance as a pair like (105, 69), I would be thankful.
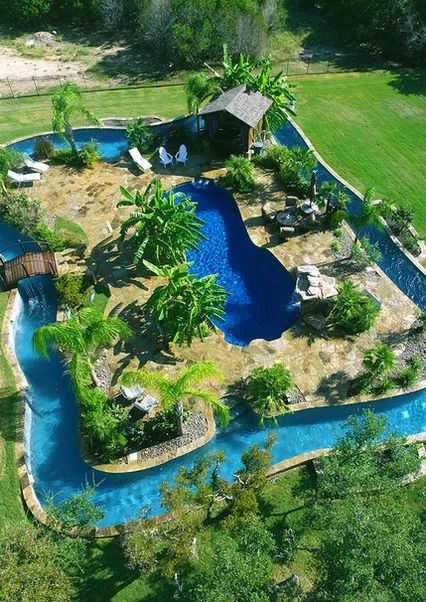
(236, 108)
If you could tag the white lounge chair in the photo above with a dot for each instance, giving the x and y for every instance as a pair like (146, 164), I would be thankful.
(22, 178)
(182, 154)
(132, 393)
(142, 163)
(146, 404)
(36, 165)
(165, 157)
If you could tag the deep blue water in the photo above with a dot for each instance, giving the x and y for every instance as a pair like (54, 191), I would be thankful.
(261, 304)
(52, 436)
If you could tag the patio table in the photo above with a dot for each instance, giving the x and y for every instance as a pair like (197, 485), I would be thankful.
(286, 218)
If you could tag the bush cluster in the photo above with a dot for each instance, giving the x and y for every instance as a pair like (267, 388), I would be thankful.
(87, 156)
(70, 289)
(239, 173)
(44, 148)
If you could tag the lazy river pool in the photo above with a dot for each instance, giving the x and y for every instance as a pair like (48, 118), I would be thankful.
(51, 419)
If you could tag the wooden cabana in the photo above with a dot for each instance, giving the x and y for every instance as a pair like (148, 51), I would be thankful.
(239, 109)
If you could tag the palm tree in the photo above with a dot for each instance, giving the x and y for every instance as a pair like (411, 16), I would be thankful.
(174, 393)
(379, 360)
(301, 161)
(186, 305)
(368, 216)
(267, 389)
(82, 336)
(198, 88)
(164, 224)
(67, 101)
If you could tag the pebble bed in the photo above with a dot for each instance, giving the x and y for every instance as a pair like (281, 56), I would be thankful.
(195, 427)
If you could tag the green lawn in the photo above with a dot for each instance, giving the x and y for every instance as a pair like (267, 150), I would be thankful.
(370, 127)
(10, 503)
(25, 116)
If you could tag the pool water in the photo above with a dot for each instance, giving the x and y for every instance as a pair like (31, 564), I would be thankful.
(262, 302)
(52, 425)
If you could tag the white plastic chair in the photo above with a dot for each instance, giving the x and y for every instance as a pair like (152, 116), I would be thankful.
(22, 178)
(142, 163)
(165, 157)
(36, 165)
(182, 154)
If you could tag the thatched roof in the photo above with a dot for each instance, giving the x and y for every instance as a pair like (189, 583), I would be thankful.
(249, 107)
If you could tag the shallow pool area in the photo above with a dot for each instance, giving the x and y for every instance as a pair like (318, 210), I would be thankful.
(52, 419)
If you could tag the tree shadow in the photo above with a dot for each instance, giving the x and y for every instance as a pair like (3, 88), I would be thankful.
(410, 81)
(111, 263)
(10, 430)
(335, 387)
(106, 574)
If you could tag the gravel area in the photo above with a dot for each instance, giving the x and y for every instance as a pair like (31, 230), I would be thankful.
(415, 344)
(195, 427)
(103, 372)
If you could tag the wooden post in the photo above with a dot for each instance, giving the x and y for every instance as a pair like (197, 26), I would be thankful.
(11, 90)
(35, 85)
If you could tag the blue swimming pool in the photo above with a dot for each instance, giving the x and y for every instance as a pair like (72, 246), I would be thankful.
(262, 303)
(51, 428)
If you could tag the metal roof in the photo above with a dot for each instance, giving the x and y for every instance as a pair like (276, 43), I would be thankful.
(247, 106)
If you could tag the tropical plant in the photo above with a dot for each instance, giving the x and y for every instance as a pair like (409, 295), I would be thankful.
(268, 389)
(79, 510)
(352, 312)
(401, 217)
(66, 102)
(276, 87)
(185, 306)
(239, 173)
(139, 134)
(198, 88)
(369, 214)
(379, 360)
(274, 158)
(301, 161)
(164, 224)
(173, 393)
(83, 336)
(333, 195)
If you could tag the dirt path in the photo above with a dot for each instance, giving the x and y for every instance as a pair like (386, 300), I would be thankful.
(14, 65)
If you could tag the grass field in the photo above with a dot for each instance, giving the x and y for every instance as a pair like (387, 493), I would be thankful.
(370, 127)
(29, 115)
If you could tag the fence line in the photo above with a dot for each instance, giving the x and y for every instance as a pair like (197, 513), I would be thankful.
(45, 85)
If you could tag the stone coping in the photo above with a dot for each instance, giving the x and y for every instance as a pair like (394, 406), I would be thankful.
(144, 464)
(413, 259)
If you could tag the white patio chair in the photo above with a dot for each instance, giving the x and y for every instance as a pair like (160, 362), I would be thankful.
(142, 163)
(36, 165)
(165, 157)
(146, 404)
(22, 178)
(182, 154)
(132, 393)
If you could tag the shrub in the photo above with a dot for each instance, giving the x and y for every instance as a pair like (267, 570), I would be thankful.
(239, 174)
(87, 156)
(21, 212)
(401, 218)
(293, 183)
(338, 233)
(406, 377)
(43, 233)
(44, 148)
(335, 246)
(335, 218)
(139, 134)
(274, 158)
(410, 242)
(9, 159)
(422, 322)
(70, 289)
(267, 389)
(352, 311)
(161, 427)
(89, 153)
